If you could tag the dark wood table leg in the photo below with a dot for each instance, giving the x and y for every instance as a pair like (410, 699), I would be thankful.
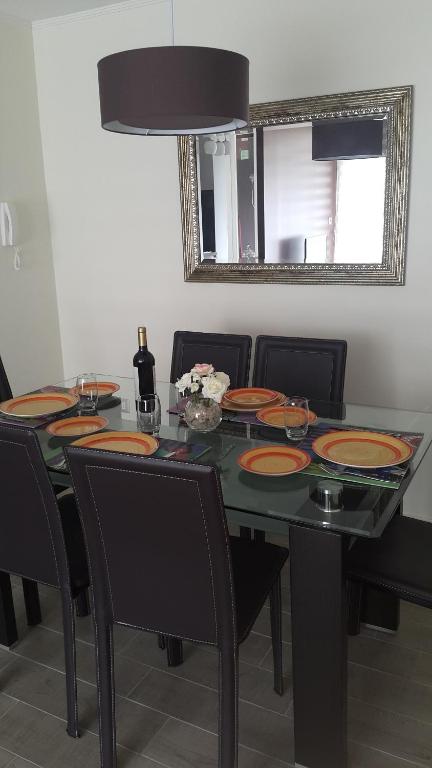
(8, 628)
(319, 638)
(32, 603)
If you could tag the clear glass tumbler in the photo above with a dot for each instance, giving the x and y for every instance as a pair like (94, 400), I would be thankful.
(296, 417)
(87, 390)
(148, 414)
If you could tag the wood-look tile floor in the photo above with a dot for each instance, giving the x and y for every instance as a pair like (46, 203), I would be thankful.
(168, 717)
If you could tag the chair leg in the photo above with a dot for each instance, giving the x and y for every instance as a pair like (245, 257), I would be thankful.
(228, 709)
(70, 664)
(276, 632)
(245, 533)
(174, 648)
(354, 596)
(8, 627)
(82, 604)
(106, 694)
(259, 537)
(32, 603)
(161, 642)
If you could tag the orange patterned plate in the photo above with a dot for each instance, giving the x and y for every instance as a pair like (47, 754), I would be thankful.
(251, 397)
(274, 460)
(228, 406)
(77, 425)
(276, 416)
(365, 450)
(39, 404)
(124, 442)
(105, 388)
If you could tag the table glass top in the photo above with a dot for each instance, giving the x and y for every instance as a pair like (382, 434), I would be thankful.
(272, 503)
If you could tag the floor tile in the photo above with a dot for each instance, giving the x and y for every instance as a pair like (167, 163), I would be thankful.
(390, 692)
(34, 735)
(178, 698)
(181, 745)
(391, 733)
(390, 657)
(361, 756)
(46, 647)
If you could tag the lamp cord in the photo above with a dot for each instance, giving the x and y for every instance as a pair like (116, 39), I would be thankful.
(172, 22)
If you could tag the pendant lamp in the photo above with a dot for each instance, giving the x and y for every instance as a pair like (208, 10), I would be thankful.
(174, 90)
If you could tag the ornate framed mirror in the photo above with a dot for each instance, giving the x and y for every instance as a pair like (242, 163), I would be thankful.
(314, 190)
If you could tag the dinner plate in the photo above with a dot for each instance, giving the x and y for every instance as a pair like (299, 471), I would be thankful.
(38, 404)
(274, 460)
(105, 388)
(251, 396)
(361, 449)
(77, 425)
(278, 416)
(228, 406)
(124, 442)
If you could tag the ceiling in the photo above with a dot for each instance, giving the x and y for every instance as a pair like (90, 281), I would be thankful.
(33, 10)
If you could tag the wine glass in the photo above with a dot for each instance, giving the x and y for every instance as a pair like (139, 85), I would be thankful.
(87, 390)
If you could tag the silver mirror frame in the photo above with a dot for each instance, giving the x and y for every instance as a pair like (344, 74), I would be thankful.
(395, 103)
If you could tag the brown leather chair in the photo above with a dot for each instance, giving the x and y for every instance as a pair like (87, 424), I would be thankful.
(398, 562)
(40, 540)
(227, 352)
(5, 390)
(161, 561)
(314, 368)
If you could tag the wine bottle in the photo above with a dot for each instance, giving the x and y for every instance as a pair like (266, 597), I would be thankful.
(144, 363)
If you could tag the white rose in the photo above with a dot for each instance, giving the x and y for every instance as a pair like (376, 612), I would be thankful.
(194, 387)
(202, 369)
(224, 378)
(184, 382)
(213, 388)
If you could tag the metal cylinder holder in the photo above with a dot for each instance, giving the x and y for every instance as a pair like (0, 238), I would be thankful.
(328, 495)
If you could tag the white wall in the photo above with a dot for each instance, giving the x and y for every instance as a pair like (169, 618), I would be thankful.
(114, 200)
(29, 331)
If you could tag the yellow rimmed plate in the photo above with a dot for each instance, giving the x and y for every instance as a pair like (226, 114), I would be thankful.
(124, 442)
(362, 449)
(38, 404)
(274, 460)
(105, 388)
(251, 397)
(77, 425)
(227, 405)
(277, 416)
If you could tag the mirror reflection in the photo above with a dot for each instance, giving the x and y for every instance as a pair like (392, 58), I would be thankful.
(294, 193)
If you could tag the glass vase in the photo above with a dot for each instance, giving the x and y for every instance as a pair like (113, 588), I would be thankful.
(202, 413)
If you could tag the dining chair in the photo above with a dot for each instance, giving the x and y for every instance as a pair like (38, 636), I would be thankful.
(40, 539)
(5, 390)
(227, 352)
(30, 588)
(161, 561)
(314, 368)
(399, 562)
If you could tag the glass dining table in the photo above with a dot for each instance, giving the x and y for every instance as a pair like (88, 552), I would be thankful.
(318, 539)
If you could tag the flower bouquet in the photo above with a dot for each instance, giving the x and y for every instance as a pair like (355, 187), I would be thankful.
(204, 387)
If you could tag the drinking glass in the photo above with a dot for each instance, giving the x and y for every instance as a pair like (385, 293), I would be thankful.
(87, 390)
(148, 414)
(296, 417)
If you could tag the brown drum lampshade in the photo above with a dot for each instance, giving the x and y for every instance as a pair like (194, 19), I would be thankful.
(174, 90)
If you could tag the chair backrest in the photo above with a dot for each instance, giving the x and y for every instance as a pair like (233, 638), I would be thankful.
(314, 368)
(5, 390)
(31, 534)
(157, 544)
(229, 353)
